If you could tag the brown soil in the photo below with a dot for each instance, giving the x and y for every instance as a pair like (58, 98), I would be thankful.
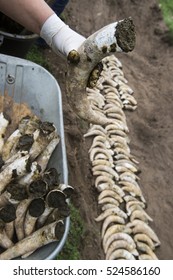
(149, 72)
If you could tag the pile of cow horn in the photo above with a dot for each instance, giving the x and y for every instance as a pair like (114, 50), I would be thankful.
(126, 232)
(33, 203)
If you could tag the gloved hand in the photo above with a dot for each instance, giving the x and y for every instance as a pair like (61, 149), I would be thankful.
(59, 36)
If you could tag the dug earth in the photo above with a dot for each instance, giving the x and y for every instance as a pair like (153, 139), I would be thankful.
(148, 69)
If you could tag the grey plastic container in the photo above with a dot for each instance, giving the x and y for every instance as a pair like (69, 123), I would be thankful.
(30, 83)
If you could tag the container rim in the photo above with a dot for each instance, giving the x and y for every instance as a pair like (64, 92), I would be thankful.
(16, 36)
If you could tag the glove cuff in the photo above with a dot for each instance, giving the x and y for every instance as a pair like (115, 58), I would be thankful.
(50, 28)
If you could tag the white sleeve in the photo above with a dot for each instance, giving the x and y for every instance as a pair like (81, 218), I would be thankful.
(59, 36)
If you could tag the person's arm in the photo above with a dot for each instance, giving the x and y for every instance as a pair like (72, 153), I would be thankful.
(29, 13)
(38, 17)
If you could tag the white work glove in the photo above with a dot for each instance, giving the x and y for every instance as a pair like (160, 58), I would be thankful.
(59, 36)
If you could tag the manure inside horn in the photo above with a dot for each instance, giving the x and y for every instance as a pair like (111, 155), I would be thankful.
(69, 191)
(36, 207)
(125, 34)
(8, 213)
(56, 199)
(59, 230)
(51, 177)
(47, 127)
(25, 142)
(38, 188)
(17, 191)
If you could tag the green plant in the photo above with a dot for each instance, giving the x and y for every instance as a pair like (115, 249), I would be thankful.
(167, 10)
(71, 247)
(35, 55)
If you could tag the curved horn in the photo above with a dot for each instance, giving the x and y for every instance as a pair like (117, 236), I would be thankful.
(115, 37)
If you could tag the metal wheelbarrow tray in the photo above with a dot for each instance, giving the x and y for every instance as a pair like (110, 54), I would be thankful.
(30, 83)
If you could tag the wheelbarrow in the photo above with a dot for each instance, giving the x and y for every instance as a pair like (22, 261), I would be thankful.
(31, 84)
